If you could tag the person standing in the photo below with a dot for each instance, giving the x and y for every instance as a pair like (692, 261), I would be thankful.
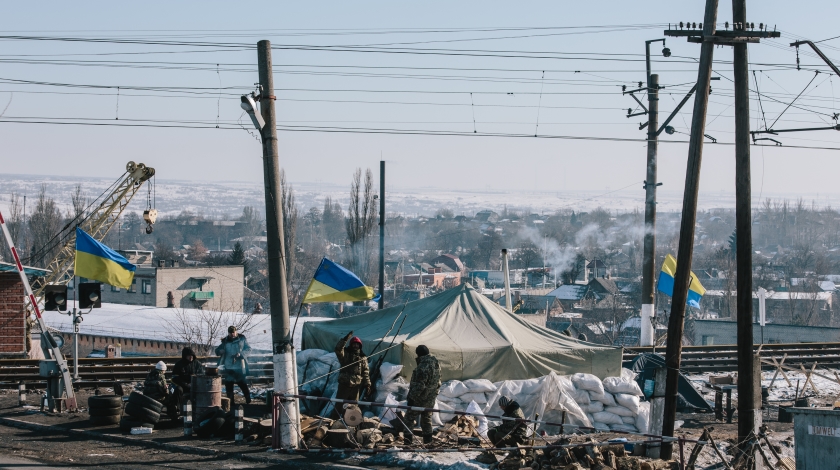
(232, 356)
(355, 374)
(422, 392)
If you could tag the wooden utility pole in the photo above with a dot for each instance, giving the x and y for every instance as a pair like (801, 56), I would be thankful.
(749, 409)
(647, 335)
(381, 234)
(281, 341)
(676, 324)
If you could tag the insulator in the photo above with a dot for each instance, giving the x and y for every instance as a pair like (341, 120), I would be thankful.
(726, 25)
(681, 24)
(700, 25)
(752, 25)
(760, 26)
(694, 25)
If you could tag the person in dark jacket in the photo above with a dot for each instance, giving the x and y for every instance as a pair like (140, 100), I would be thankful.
(184, 370)
(155, 387)
(232, 356)
(509, 433)
(422, 392)
(355, 374)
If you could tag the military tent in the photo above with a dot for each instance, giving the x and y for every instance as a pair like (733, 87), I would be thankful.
(470, 335)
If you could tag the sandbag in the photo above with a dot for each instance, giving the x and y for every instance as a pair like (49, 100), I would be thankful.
(581, 397)
(620, 410)
(604, 397)
(601, 426)
(621, 385)
(388, 371)
(453, 389)
(330, 359)
(479, 398)
(627, 374)
(643, 418)
(607, 418)
(480, 385)
(387, 414)
(622, 427)
(308, 354)
(397, 386)
(444, 417)
(628, 401)
(629, 420)
(449, 400)
(587, 382)
(482, 421)
(593, 407)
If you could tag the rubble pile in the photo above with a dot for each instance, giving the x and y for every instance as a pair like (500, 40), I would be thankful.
(594, 457)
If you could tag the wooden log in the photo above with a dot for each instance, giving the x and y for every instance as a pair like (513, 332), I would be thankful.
(339, 438)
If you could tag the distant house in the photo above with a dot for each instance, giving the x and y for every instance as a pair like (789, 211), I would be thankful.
(486, 216)
(451, 261)
(570, 295)
(603, 287)
(534, 304)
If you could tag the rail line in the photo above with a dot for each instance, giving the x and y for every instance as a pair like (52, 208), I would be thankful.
(97, 372)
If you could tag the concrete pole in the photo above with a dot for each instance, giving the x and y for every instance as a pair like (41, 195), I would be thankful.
(676, 323)
(749, 409)
(506, 274)
(381, 234)
(281, 341)
(647, 334)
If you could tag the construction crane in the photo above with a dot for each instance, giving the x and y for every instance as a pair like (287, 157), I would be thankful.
(97, 223)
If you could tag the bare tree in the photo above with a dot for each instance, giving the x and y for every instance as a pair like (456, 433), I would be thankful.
(360, 223)
(44, 227)
(79, 202)
(204, 329)
(16, 225)
(290, 218)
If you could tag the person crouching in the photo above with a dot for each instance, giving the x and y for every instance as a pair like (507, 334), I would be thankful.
(155, 387)
(509, 433)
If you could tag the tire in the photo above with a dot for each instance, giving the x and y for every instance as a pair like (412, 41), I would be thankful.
(127, 423)
(105, 420)
(210, 422)
(142, 414)
(96, 412)
(145, 402)
(104, 401)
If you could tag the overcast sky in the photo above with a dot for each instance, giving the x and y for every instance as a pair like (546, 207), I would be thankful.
(550, 68)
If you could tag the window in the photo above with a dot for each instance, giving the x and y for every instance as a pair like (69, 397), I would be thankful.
(115, 289)
(146, 287)
(133, 288)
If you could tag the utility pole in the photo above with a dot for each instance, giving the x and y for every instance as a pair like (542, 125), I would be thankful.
(647, 333)
(749, 397)
(689, 215)
(281, 341)
(381, 234)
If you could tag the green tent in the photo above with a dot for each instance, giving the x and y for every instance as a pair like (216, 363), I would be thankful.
(471, 336)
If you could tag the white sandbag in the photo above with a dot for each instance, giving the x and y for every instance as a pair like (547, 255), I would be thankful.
(643, 418)
(627, 374)
(479, 398)
(631, 420)
(587, 382)
(604, 397)
(607, 418)
(622, 427)
(581, 397)
(590, 417)
(601, 426)
(308, 354)
(388, 371)
(480, 386)
(397, 386)
(482, 421)
(445, 417)
(593, 407)
(387, 414)
(449, 400)
(620, 411)
(330, 359)
(453, 389)
(621, 385)
(628, 401)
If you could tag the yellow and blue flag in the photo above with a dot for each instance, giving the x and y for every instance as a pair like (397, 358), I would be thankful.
(98, 262)
(665, 284)
(335, 283)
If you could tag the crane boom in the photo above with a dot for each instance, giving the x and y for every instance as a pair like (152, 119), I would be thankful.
(97, 224)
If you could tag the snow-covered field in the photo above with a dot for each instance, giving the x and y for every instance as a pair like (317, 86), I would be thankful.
(828, 389)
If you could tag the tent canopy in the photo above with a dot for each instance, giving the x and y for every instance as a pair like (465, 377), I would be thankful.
(471, 336)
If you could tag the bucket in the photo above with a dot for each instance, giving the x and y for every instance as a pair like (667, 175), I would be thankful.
(206, 393)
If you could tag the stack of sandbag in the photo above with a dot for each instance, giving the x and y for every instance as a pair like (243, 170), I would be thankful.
(314, 377)
(391, 388)
(611, 405)
(457, 395)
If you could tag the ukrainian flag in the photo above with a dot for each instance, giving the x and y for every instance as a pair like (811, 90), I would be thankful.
(98, 262)
(666, 283)
(334, 283)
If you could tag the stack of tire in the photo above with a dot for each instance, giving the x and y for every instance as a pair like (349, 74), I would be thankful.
(141, 411)
(105, 410)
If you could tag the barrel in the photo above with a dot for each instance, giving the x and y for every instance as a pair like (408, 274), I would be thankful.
(206, 393)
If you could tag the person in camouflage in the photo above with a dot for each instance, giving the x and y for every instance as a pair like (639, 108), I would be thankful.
(155, 387)
(355, 374)
(509, 433)
(422, 392)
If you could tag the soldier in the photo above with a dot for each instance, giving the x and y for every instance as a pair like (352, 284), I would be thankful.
(354, 374)
(155, 387)
(509, 433)
(232, 356)
(184, 369)
(423, 390)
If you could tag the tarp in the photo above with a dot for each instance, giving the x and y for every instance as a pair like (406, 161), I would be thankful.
(471, 336)
(645, 366)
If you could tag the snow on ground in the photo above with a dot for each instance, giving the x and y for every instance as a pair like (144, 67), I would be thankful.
(828, 389)
(157, 323)
(419, 461)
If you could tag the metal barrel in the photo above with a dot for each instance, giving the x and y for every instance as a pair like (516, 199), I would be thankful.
(206, 394)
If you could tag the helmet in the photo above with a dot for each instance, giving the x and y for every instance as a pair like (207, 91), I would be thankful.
(160, 366)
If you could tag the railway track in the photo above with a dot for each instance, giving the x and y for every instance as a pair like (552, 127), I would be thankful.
(96, 372)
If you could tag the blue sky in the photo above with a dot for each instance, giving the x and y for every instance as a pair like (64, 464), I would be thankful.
(573, 94)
